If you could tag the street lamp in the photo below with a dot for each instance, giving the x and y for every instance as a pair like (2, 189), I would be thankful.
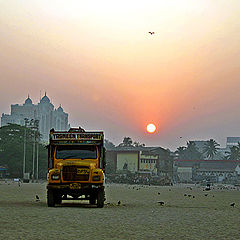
(24, 146)
(37, 138)
(32, 124)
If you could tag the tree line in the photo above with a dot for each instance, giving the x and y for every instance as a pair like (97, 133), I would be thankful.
(190, 151)
(12, 151)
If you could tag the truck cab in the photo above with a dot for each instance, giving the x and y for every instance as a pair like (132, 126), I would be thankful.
(76, 162)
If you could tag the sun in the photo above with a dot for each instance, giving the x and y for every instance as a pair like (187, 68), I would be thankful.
(151, 128)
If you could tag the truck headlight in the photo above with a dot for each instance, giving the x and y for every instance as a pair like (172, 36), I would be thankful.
(55, 177)
(96, 178)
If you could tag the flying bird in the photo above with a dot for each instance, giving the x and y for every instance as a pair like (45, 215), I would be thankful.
(151, 33)
(37, 198)
(232, 204)
(161, 203)
(119, 202)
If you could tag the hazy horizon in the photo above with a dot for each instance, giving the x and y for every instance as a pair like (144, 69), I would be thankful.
(99, 62)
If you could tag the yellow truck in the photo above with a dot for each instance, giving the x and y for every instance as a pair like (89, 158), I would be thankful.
(76, 162)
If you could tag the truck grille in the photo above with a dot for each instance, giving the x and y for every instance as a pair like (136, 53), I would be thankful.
(71, 173)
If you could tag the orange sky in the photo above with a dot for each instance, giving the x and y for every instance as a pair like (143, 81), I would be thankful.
(97, 59)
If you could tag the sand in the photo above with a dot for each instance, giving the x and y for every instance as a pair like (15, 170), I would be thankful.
(139, 216)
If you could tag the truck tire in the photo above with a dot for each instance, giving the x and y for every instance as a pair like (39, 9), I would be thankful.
(58, 199)
(50, 198)
(100, 199)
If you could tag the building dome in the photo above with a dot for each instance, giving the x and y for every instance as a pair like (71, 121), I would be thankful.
(45, 99)
(28, 100)
(60, 109)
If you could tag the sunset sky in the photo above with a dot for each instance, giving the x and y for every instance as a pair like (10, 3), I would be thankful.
(98, 60)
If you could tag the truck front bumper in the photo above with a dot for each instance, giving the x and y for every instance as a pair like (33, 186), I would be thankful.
(75, 186)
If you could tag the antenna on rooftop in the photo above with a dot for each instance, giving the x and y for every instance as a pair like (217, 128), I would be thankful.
(40, 94)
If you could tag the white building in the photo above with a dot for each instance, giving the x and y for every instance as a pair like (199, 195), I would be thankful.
(232, 141)
(44, 112)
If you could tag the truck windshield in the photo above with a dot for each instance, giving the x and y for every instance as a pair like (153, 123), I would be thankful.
(76, 152)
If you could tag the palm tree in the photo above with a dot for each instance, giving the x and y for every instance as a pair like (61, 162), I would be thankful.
(191, 152)
(181, 152)
(166, 159)
(211, 148)
(127, 142)
(234, 153)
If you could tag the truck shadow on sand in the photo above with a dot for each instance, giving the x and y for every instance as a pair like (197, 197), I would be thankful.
(75, 205)
(43, 204)
(87, 205)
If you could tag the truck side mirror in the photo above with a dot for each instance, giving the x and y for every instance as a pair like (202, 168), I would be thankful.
(104, 157)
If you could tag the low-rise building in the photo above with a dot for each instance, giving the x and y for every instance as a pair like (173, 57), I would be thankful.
(3, 172)
(232, 141)
(211, 170)
(128, 161)
(143, 160)
(184, 174)
(148, 162)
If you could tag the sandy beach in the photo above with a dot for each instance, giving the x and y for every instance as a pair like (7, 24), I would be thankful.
(197, 215)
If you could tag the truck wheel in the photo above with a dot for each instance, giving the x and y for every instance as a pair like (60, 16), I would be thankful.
(50, 198)
(58, 199)
(100, 199)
